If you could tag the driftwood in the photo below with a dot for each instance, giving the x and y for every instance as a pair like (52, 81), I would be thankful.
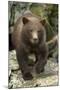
(52, 44)
(54, 40)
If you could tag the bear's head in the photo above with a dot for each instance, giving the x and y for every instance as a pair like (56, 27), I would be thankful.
(33, 31)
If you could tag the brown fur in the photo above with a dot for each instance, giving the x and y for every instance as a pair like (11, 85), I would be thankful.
(21, 38)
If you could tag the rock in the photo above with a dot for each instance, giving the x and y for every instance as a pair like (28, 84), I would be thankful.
(13, 64)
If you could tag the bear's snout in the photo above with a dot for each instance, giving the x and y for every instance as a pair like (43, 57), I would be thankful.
(34, 37)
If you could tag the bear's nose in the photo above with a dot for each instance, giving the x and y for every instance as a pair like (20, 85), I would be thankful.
(35, 40)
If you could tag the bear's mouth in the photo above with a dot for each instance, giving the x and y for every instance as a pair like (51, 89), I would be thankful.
(34, 41)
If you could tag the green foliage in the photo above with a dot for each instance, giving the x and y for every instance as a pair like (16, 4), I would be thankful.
(37, 9)
(50, 13)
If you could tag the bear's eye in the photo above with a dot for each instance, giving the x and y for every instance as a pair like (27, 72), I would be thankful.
(31, 30)
(39, 31)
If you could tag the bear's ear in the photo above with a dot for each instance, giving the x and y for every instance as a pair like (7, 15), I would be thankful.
(43, 22)
(25, 20)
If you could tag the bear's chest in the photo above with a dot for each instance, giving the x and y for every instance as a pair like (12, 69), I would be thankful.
(31, 59)
(32, 55)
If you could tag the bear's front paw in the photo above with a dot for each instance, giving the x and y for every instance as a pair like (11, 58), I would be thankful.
(27, 76)
(42, 70)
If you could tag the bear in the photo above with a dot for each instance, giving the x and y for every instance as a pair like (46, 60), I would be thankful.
(29, 38)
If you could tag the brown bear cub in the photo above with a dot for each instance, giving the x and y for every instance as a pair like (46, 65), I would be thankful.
(29, 38)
